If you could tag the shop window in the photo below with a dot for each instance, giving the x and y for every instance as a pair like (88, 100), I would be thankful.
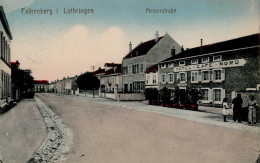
(194, 61)
(205, 60)
(217, 95)
(205, 94)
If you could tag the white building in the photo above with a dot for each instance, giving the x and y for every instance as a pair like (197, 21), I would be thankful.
(5, 69)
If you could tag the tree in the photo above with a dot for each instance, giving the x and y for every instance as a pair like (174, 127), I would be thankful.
(88, 81)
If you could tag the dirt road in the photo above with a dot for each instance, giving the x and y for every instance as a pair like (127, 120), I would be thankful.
(105, 133)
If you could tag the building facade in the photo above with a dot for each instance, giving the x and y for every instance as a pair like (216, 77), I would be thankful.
(5, 69)
(40, 86)
(143, 56)
(152, 77)
(111, 78)
(219, 70)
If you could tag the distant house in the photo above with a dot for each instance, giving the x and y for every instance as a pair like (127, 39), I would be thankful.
(152, 77)
(40, 86)
(143, 56)
(65, 86)
(5, 54)
(111, 78)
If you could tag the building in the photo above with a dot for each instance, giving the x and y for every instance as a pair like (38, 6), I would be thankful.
(143, 56)
(111, 79)
(152, 77)
(17, 81)
(71, 86)
(219, 70)
(40, 86)
(5, 69)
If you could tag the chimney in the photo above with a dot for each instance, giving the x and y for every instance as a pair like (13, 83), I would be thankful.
(130, 47)
(182, 48)
(173, 51)
(156, 36)
(201, 43)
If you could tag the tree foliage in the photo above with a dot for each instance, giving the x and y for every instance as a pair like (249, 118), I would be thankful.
(88, 81)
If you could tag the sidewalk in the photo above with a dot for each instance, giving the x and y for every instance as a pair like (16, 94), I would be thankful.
(22, 132)
(206, 115)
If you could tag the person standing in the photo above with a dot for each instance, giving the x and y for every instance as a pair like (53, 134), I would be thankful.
(225, 109)
(237, 107)
(252, 104)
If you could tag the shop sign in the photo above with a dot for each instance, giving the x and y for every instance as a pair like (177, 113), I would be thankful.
(213, 65)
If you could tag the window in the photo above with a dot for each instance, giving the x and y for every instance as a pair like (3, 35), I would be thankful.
(141, 67)
(125, 70)
(205, 94)
(171, 78)
(142, 85)
(194, 76)
(163, 78)
(171, 65)
(217, 58)
(135, 69)
(182, 63)
(217, 95)
(205, 60)
(194, 61)
(205, 75)
(147, 79)
(217, 75)
(163, 66)
(154, 79)
(130, 69)
(182, 77)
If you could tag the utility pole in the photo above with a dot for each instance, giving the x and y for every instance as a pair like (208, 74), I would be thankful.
(93, 80)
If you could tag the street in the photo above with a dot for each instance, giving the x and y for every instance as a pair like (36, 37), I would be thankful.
(111, 133)
(22, 132)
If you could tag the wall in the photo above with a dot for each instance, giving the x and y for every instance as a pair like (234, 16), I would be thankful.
(124, 96)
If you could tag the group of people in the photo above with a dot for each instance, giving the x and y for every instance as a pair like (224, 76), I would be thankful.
(237, 109)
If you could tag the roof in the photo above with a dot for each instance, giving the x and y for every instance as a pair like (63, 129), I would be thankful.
(111, 71)
(5, 23)
(112, 64)
(99, 71)
(142, 48)
(14, 64)
(40, 81)
(242, 42)
(152, 69)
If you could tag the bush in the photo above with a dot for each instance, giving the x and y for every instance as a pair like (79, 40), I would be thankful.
(151, 94)
(165, 96)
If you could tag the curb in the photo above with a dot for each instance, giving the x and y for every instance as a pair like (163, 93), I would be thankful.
(55, 147)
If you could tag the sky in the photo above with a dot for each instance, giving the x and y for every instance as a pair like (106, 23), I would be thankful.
(60, 45)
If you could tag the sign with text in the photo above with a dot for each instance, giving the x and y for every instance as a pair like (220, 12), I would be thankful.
(213, 65)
